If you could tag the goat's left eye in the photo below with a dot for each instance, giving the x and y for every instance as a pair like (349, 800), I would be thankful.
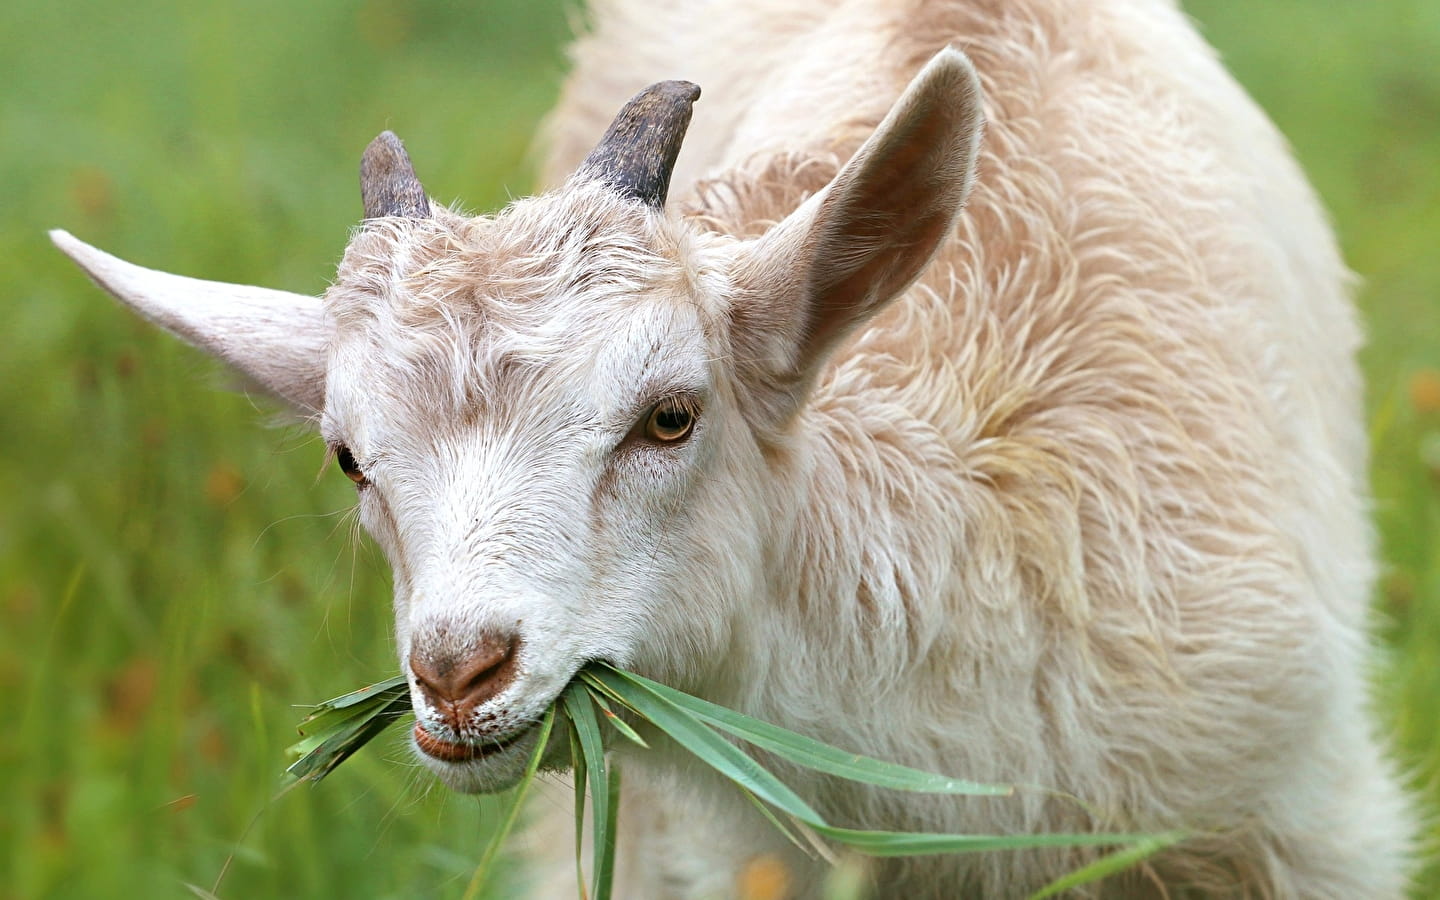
(347, 465)
(671, 421)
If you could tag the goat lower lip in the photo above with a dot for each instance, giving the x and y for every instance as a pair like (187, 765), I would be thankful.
(452, 752)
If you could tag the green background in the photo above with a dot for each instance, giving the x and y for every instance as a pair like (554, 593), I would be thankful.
(174, 574)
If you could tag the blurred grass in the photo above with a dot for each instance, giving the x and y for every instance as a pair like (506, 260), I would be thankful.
(173, 576)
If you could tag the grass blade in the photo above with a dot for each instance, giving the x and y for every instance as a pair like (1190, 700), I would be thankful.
(813, 754)
(337, 728)
(578, 770)
(333, 733)
(592, 746)
(618, 723)
(1110, 864)
(334, 750)
(814, 847)
(709, 747)
(512, 812)
(605, 853)
(906, 843)
(365, 694)
(588, 676)
(648, 697)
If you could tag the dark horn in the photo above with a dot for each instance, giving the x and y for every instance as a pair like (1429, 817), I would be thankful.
(637, 153)
(388, 186)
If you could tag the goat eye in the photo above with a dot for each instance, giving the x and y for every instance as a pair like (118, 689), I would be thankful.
(670, 422)
(348, 466)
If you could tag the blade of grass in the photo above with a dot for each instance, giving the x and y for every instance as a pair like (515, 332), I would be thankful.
(813, 754)
(327, 720)
(811, 846)
(663, 711)
(331, 715)
(619, 724)
(588, 676)
(578, 770)
(366, 693)
(1110, 864)
(592, 745)
(605, 853)
(338, 727)
(716, 752)
(512, 812)
(344, 724)
(338, 747)
(905, 843)
(317, 730)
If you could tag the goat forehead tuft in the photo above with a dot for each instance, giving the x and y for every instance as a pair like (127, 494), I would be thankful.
(450, 313)
(574, 246)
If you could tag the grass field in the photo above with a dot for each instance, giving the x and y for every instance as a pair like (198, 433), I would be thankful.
(173, 575)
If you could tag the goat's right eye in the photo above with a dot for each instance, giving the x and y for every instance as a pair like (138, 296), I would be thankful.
(347, 465)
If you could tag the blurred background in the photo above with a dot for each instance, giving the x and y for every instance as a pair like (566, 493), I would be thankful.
(175, 575)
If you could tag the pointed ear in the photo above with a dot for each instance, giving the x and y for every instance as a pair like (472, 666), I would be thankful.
(276, 339)
(853, 247)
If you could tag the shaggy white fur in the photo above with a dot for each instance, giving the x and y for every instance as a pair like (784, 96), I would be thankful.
(1068, 492)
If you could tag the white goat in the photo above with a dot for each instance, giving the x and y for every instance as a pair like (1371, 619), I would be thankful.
(1068, 491)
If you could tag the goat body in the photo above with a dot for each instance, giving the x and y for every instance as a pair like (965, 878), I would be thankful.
(1068, 492)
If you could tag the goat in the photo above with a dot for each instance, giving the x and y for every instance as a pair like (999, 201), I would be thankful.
(1066, 491)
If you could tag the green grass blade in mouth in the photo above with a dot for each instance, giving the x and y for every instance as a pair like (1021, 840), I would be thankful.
(512, 811)
(605, 856)
(688, 721)
(365, 695)
(579, 772)
(338, 727)
(588, 676)
(1110, 864)
(699, 739)
(334, 750)
(909, 843)
(780, 826)
(592, 746)
(615, 721)
(813, 754)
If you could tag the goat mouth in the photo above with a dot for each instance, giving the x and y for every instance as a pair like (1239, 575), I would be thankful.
(456, 752)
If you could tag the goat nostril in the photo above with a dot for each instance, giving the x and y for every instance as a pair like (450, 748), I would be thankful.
(478, 681)
(466, 680)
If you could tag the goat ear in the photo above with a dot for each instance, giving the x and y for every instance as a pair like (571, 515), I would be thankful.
(276, 339)
(854, 246)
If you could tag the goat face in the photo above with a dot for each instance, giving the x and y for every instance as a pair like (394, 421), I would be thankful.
(536, 411)
(572, 424)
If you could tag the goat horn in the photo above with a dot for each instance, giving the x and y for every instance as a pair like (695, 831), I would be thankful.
(388, 186)
(637, 153)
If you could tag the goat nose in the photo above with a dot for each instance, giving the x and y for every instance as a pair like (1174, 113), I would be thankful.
(458, 683)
